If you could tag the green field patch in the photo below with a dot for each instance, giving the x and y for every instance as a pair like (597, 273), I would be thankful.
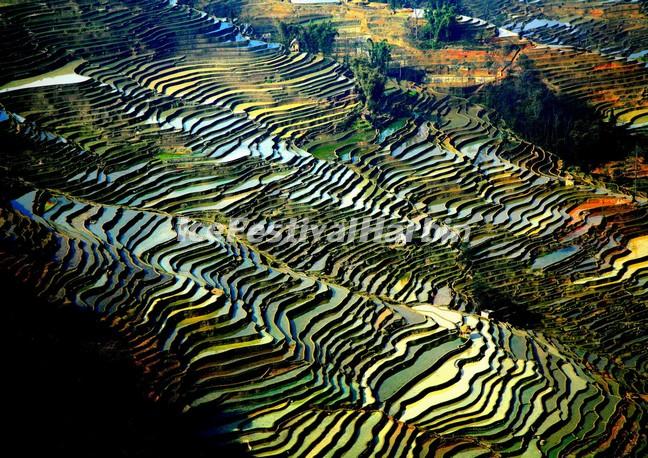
(392, 128)
(325, 147)
(169, 154)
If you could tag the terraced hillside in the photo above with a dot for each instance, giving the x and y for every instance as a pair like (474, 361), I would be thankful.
(616, 27)
(459, 66)
(155, 164)
(591, 50)
(616, 89)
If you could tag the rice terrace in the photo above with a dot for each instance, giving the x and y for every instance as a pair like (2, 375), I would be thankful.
(327, 228)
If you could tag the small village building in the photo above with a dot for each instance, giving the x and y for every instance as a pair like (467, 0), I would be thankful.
(294, 45)
(486, 313)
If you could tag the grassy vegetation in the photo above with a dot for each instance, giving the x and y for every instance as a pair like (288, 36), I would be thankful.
(325, 147)
(393, 127)
(167, 154)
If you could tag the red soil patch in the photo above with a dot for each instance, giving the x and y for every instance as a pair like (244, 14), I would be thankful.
(624, 168)
(608, 66)
(464, 54)
(597, 202)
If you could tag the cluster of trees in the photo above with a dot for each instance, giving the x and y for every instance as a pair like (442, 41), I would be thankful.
(394, 4)
(483, 288)
(567, 127)
(313, 37)
(380, 55)
(502, 302)
(441, 23)
(371, 72)
(370, 81)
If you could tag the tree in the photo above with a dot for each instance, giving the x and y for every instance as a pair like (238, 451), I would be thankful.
(313, 38)
(502, 302)
(286, 33)
(371, 72)
(370, 80)
(380, 55)
(441, 23)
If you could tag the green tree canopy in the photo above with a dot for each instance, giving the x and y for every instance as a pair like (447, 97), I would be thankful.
(370, 79)
(313, 38)
(441, 17)
(380, 55)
